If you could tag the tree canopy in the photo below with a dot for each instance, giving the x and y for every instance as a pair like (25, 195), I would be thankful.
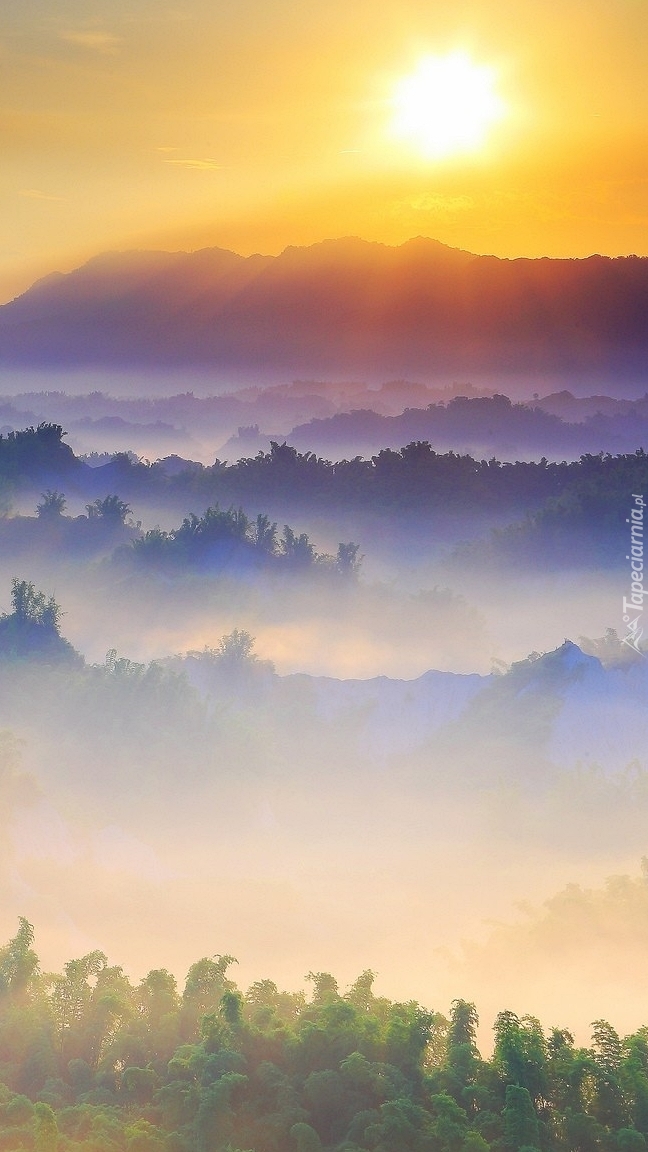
(31, 630)
(91, 1061)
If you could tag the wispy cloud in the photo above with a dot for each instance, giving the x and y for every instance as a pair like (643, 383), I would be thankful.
(36, 194)
(103, 42)
(205, 165)
(432, 202)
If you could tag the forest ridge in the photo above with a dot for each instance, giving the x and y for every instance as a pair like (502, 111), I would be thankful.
(341, 305)
(90, 1061)
(415, 474)
(337, 421)
(552, 506)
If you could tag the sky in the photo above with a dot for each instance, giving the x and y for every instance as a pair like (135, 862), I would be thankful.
(262, 123)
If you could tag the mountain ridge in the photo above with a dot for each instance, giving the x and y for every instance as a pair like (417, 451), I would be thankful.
(339, 304)
(567, 703)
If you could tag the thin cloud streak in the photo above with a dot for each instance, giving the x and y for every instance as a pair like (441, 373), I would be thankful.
(36, 194)
(103, 42)
(206, 165)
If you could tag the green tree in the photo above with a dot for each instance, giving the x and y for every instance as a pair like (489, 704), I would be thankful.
(629, 1140)
(46, 1128)
(462, 1058)
(520, 1121)
(360, 994)
(71, 998)
(206, 984)
(403, 1126)
(215, 1118)
(521, 1053)
(306, 1138)
(609, 1107)
(159, 1004)
(451, 1124)
(139, 1084)
(408, 1033)
(325, 988)
(633, 1077)
(18, 962)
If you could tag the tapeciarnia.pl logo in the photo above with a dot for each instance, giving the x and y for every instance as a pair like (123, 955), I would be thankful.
(634, 606)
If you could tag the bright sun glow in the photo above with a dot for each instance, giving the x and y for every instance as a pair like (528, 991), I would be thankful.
(447, 106)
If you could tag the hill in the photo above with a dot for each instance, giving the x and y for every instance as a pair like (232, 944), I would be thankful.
(342, 305)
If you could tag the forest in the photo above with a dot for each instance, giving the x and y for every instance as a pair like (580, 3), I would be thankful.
(537, 508)
(89, 1060)
(392, 478)
(334, 419)
(279, 701)
(323, 581)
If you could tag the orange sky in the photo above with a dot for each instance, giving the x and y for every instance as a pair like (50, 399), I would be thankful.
(261, 123)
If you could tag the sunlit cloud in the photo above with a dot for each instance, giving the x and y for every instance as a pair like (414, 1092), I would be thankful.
(36, 194)
(435, 205)
(103, 42)
(205, 165)
(434, 202)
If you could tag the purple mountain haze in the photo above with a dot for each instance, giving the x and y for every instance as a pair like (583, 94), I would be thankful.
(341, 305)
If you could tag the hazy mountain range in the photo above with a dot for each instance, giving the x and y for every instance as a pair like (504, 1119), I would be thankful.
(336, 421)
(481, 425)
(564, 705)
(341, 305)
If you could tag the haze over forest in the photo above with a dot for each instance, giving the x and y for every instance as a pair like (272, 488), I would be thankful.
(324, 681)
(323, 670)
(379, 620)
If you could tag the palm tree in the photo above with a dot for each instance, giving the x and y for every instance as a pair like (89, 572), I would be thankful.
(111, 508)
(52, 505)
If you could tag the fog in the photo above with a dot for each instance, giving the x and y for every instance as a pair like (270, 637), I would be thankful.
(387, 782)
(419, 604)
(202, 416)
(130, 383)
(299, 823)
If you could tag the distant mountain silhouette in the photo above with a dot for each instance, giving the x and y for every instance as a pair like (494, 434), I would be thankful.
(338, 305)
(565, 705)
(478, 425)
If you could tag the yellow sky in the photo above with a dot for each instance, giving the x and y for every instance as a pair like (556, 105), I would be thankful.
(261, 123)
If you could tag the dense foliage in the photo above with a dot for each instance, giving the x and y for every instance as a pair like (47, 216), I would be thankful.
(413, 476)
(32, 629)
(417, 476)
(561, 513)
(89, 1060)
(224, 536)
(38, 451)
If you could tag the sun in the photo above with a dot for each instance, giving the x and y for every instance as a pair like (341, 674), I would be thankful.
(447, 106)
